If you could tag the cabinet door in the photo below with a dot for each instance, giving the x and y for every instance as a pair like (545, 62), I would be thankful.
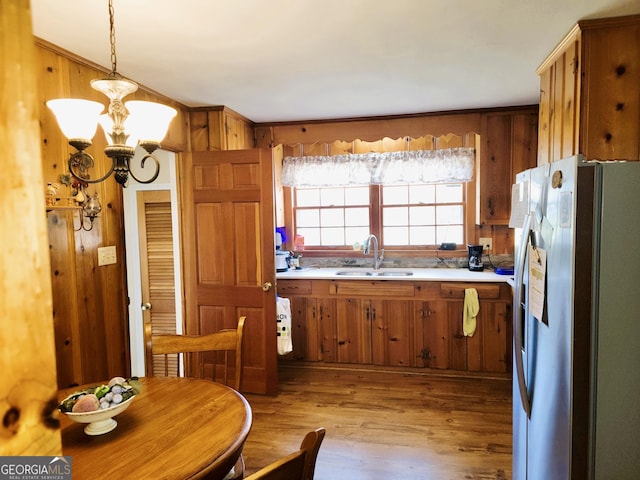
(393, 333)
(444, 345)
(304, 330)
(509, 146)
(328, 329)
(353, 330)
(489, 349)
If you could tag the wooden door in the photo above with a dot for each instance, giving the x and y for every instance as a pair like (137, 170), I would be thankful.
(489, 348)
(353, 330)
(304, 329)
(445, 345)
(328, 329)
(393, 332)
(157, 274)
(229, 265)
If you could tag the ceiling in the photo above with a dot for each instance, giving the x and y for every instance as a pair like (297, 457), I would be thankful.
(287, 60)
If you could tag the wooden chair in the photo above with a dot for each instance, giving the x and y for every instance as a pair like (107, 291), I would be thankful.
(300, 465)
(225, 341)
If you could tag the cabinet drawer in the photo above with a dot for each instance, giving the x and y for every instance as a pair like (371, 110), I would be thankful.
(456, 290)
(373, 289)
(294, 287)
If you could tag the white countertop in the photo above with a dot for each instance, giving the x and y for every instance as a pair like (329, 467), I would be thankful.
(418, 274)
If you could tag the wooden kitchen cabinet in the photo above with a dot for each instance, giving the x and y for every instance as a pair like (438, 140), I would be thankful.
(410, 324)
(509, 146)
(393, 333)
(443, 344)
(589, 95)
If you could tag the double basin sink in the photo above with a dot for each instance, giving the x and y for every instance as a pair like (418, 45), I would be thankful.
(374, 273)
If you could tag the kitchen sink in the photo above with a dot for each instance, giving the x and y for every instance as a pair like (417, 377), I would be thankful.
(353, 273)
(379, 273)
(395, 273)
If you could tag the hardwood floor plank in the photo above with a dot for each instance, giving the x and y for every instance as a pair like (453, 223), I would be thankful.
(386, 424)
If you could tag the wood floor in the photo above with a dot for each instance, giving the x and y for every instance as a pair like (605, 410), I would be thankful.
(386, 425)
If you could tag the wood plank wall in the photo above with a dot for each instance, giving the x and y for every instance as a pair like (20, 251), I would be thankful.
(28, 390)
(435, 130)
(89, 301)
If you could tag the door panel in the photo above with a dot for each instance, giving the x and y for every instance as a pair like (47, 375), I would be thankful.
(157, 273)
(229, 231)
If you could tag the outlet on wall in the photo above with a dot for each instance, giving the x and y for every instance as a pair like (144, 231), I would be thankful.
(487, 243)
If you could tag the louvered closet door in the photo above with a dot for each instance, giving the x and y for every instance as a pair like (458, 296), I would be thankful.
(157, 273)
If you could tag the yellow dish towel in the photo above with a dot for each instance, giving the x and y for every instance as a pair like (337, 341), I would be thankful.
(471, 309)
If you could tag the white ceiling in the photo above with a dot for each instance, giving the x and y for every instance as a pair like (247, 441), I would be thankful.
(285, 60)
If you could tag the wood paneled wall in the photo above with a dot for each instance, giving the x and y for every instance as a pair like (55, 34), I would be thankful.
(89, 301)
(437, 130)
(28, 390)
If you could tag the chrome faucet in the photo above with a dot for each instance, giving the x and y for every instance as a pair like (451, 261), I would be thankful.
(377, 260)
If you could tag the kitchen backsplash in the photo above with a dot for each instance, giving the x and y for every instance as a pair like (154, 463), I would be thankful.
(361, 261)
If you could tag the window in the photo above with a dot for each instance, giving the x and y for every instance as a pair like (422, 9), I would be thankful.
(401, 216)
(332, 216)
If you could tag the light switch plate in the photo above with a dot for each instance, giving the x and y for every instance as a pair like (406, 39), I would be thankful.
(107, 255)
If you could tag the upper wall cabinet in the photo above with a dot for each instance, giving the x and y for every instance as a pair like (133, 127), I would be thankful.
(508, 146)
(590, 93)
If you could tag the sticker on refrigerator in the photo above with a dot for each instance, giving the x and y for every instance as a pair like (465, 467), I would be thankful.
(566, 209)
(537, 280)
(519, 204)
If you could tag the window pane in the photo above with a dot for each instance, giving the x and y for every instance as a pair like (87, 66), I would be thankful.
(331, 237)
(422, 215)
(449, 193)
(449, 214)
(411, 215)
(422, 236)
(307, 197)
(395, 216)
(308, 218)
(331, 196)
(311, 235)
(395, 235)
(332, 217)
(452, 234)
(395, 195)
(422, 194)
(356, 196)
(356, 217)
(357, 234)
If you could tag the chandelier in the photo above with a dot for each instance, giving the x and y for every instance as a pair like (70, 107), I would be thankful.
(125, 124)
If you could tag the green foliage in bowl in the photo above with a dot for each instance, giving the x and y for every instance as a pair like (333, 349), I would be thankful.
(101, 397)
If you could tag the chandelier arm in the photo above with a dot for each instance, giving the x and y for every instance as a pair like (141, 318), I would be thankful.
(84, 161)
(155, 175)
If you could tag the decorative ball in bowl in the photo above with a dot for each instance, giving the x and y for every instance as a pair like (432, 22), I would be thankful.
(97, 406)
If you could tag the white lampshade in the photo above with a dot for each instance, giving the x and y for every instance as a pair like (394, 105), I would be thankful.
(106, 122)
(148, 120)
(78, 119)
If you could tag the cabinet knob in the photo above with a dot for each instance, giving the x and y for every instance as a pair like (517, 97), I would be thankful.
(145, 306)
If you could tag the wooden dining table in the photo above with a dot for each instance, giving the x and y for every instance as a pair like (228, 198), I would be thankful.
(175, 428)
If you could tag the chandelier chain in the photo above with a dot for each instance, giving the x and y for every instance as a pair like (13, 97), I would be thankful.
(112, 39)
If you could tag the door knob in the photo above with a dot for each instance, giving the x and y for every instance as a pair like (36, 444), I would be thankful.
(266, 286)
(145, 306)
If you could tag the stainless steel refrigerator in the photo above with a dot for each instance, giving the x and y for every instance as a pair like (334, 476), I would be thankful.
(576, 322)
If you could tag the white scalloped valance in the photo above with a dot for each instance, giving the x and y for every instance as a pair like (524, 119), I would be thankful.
(420, 166)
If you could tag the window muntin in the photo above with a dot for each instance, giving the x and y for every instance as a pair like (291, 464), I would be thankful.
(414, 215)
(332, 216)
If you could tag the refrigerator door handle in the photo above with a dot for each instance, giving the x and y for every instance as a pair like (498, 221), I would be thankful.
(517, 316)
